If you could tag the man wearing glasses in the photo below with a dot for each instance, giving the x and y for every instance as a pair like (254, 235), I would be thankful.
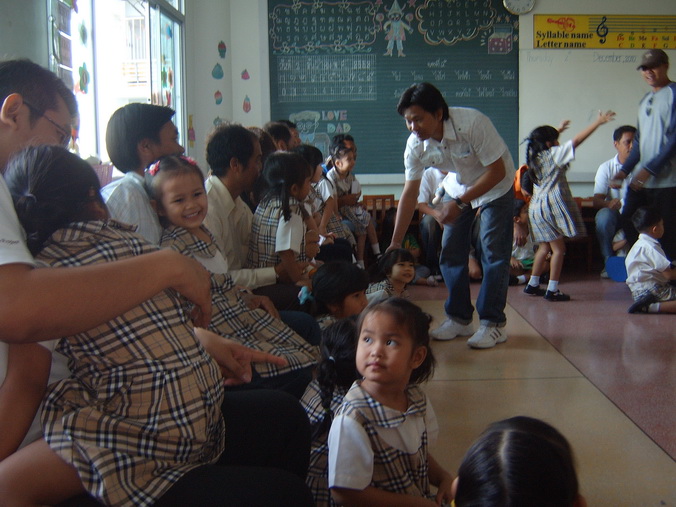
(653, 155)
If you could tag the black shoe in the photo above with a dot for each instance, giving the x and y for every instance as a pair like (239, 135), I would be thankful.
(642, 304)
(533, 291)
(513, 280)
(556, 296)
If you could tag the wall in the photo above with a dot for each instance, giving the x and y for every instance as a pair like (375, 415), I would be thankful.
(554, 84)
(23, 31)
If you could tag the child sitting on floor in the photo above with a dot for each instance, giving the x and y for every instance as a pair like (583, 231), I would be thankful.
(338, 291)
(649, 272)
(519, 461)
(395, 270)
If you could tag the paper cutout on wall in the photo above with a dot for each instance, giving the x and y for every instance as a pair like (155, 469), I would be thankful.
(84, 34)
(191, 133)
(217, 73)
(247, 104)
(222, 49)
(245, 75)
(217, 121)
(218, 97)
(84, 78)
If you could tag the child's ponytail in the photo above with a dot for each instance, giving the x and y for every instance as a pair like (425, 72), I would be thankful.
(539, 141)
(337, 367)
(282, 170)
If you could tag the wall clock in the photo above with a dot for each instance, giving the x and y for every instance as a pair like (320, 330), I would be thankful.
(518, 7)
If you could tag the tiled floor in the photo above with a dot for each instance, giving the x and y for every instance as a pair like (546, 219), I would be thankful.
(605, 379)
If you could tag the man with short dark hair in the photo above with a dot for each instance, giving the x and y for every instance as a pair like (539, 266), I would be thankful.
(137, 135)
(607, 199)
(281, 135)
(465, 143)
(654, 152)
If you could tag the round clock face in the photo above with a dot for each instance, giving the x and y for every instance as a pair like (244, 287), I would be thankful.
(519, 7)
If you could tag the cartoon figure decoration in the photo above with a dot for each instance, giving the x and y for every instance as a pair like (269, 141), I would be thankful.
(222, 49)
(396, 28)
(246, 106)
(245, 75)
(83, 84)
(218, 97)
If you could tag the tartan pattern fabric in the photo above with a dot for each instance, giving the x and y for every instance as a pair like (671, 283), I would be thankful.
(660, 292)
(233, 319)
(394, 470)
(552, 211)
(355, 214)
(386, 290)
(317, 475)
(334, 224)
(142, 404)
(264, 231)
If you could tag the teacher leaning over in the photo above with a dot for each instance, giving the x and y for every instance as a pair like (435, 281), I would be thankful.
(465, 143)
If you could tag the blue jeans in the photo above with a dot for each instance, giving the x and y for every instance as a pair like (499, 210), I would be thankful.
(607, 223)
(430, 233)
(495, 238)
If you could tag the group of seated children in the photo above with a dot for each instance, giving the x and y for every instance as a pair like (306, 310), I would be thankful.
(372, 426)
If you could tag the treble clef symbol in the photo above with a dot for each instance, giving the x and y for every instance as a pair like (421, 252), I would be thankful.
(602, 30)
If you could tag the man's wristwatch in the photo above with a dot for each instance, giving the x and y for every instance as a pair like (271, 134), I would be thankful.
(461, 205)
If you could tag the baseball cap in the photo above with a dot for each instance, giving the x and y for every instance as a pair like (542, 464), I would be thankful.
(653, 58)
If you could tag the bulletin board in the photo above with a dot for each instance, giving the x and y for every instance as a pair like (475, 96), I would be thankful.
(341, 66)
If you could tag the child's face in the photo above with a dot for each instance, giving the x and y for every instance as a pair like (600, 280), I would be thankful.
(402, 271)
(300, 192)
(523, 215)
(311, 244)
(317, 176)
(385, 352)
(353, 304)
(184, 201)
(345, 163)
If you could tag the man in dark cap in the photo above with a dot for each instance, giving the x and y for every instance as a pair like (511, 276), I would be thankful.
(653, 155)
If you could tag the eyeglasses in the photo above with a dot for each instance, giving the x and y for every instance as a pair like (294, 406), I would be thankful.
(65, 135)
(649, 109)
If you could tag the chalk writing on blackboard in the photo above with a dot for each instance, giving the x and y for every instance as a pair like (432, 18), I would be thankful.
(444, 22)
(326, 78)
(312, 27)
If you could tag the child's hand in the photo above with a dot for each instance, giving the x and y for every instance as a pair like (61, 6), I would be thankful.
(563, 126)
(444, 494)
(605, 117)
(515, 264)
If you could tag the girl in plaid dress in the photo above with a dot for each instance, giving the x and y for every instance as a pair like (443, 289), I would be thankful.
(379, 436)
(348, 190)
(396, 269)
(552, 212)
(278, 228)
(338, 292)
(335, 374)
(140, 416)
(177, 192)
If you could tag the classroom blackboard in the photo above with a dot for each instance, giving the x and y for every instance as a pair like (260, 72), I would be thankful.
(341, 66)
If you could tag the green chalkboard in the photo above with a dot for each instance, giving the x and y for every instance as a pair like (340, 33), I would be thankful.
(340, 67)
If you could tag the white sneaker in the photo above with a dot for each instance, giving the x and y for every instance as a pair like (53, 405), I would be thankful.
(450, 329)
(487, 337)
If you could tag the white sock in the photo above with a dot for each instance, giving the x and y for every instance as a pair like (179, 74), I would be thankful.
(534, 281)
(354, 259)
(553, 285)
(361, 264)
(654, 308)
(522, 279)
(376, 248)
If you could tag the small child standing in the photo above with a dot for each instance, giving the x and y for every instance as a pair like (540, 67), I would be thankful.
(379, 436)
(519, 461)
(552, 212)
(338, 290)
(524, 255)
(649, 272)
(348, 189)
(396, 269)
(336, 372)
(278, 228)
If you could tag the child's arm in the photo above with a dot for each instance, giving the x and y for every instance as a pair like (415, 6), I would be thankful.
(293, 268)
(374, 497)
(600, 120)
(441, 479)
(670, 273)
(21, 393)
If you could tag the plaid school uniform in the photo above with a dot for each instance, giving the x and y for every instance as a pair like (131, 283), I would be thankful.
(334, 224)
(355, 214)
(552, 212)
(382, 290)
(233, 319)
(263, 239)
(317, 474)
(394, 470)
(142, 404)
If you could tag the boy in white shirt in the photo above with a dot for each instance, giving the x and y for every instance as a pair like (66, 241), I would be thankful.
(649, 272)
